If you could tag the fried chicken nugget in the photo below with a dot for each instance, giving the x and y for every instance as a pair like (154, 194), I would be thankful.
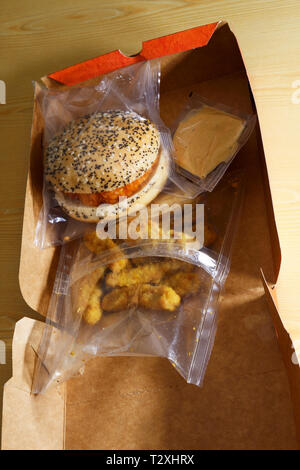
(183, 283)
(97, 245)
(82, 289)
(158, 297)
(145, 295)
(144, 273)
(93, 311)
(152, 272)
(119, 298)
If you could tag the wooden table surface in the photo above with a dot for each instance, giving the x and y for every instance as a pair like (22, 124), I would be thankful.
(38, 37)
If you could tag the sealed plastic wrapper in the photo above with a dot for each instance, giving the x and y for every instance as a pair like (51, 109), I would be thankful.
(154, 296)
(206, 138)
(101, 142)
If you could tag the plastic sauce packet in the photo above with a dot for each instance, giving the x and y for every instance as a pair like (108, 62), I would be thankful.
(206, 138)
(101, 142)
(155, 296)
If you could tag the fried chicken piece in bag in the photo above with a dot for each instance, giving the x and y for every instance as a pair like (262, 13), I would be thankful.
(93, 311)
(143, 295)
(152, 272)
(183, 283)
(98, 246)
(120, 298)
(158, 297)
(83, 288)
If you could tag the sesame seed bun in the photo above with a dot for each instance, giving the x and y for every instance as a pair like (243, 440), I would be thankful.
(101, 152)
(144, 196)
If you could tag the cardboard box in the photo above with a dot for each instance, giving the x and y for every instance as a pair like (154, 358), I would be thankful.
(250, 395)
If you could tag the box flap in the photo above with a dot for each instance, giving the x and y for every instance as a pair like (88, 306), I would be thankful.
(152, 49)
(28, 421)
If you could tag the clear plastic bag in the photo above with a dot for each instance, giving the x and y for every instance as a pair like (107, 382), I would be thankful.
(73, 116)
(206, 138)
(149, 297)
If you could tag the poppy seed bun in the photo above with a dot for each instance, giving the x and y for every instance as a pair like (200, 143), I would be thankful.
(101, 152)
(144, 196)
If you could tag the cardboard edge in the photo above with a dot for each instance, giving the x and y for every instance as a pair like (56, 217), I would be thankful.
(276, 249)
(28, 183)
(32, 202)
(286, 348)
(275, 245)
(22, 250)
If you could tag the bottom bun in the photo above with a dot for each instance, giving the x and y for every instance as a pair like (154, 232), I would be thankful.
(106, 212)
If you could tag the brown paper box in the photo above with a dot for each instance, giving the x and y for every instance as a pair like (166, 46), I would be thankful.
(250, 395)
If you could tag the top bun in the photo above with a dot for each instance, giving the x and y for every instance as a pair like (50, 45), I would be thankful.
(101, 152)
